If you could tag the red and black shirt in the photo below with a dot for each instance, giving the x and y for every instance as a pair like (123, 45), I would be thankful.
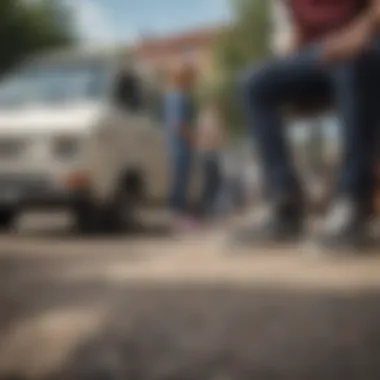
(316, 18)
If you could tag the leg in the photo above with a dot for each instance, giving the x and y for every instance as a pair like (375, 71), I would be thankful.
(205, 187)
(264, 93)
(211, 182)
(356, 90)
(180, 178)
(217, 183)
(357, 95)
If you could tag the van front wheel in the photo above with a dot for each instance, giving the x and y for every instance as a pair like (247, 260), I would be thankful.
(120, 214)
(114, 217)
(87, 218)
(7, 217)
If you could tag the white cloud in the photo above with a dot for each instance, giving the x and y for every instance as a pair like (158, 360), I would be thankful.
(92, 23)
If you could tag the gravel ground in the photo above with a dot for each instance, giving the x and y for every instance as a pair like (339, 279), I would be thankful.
(149, 307)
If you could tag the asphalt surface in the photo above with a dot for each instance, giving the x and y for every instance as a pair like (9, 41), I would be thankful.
(146, 305)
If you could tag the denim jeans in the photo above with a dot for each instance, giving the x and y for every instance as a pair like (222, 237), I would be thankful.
(354, 85)
(181, 160)
(212, 181)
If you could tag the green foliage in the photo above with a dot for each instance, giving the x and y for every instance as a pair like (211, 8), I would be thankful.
(27, 27)
(243, 44)
(247, 40)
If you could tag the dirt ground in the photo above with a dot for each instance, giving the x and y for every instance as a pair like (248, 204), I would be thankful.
(150, 307)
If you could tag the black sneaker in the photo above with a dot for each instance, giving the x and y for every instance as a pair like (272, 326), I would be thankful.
(278, 223)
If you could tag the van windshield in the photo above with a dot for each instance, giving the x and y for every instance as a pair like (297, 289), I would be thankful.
(54, 84)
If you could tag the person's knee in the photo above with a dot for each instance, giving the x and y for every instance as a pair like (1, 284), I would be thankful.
(252, 85)
(242, 84)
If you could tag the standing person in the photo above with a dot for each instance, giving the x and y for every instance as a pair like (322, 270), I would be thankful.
(180, 115)
(210, 141)
(332, 49)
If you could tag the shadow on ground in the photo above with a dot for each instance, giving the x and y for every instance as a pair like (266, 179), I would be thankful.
(193, 332)
(136, 230)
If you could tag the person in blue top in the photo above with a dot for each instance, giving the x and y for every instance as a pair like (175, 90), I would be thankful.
(179, 117)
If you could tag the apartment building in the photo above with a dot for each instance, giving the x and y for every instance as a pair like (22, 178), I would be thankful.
(159, 55)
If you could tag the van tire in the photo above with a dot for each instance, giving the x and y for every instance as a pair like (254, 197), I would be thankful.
(7, 218)
(121, 214)
(87, 219)
(112, 218)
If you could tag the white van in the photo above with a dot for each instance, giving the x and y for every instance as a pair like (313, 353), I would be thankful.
(76, 132)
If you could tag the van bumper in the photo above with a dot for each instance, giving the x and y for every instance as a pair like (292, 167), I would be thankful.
(35, 192)
(70, 200)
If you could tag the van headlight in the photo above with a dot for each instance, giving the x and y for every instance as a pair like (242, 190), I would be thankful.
(66, 147)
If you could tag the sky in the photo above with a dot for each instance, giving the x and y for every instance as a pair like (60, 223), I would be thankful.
(104, 21)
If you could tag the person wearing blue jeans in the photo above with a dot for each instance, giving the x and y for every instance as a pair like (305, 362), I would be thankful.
(180, 119)
(338, 56)
(211, 138)
(181, 157)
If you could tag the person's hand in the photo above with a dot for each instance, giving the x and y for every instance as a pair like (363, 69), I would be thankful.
(287, 43)
(346, 44)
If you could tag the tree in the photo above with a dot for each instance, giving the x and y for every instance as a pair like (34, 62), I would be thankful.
(27, 27)
(243, 44)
